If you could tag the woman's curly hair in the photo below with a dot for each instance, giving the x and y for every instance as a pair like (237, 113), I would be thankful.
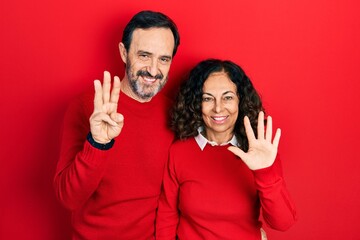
(187, 115)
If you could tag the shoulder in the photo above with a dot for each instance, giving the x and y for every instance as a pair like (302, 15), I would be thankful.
(162, 99)
(82, 104)
(183, 146)
(181, 152)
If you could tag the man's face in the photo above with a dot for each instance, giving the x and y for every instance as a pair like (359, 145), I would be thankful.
(148, 61)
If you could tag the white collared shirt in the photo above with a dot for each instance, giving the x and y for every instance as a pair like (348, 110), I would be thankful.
(202, 141)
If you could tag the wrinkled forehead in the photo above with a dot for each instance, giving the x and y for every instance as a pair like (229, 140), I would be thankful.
(158, 41)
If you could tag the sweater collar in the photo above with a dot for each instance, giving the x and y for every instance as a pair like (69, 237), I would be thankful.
(202, 141)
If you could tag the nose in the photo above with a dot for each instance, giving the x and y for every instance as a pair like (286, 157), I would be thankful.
(218, 106)
(152, 68)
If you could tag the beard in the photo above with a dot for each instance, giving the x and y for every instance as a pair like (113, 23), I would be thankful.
(144, 90)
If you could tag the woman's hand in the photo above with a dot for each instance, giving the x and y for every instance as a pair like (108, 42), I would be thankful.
(262, 150)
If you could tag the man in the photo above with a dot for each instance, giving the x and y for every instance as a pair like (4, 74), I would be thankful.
(112, 186)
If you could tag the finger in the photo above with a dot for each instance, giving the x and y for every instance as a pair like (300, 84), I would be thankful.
(104, 118)
(106, 87)
(115, 92)
(277, 137)
(260, 126)
(268, 133)
(98, 99)
(248, 129)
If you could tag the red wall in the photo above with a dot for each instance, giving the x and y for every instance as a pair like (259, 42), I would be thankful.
(303, 56)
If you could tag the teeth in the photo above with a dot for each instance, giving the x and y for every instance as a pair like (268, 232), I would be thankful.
(149, 79)
(219, 118)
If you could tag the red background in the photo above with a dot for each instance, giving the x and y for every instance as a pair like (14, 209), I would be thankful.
(303, 56)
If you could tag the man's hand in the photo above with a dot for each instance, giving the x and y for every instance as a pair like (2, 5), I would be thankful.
(105, 122)
(262, 150)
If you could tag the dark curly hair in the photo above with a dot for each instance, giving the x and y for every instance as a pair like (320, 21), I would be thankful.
(187, 115)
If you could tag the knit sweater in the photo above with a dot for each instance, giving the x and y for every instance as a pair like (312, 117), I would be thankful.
(113, 194)
(212, 194)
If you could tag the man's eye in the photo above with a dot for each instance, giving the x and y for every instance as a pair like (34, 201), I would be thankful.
(144, 56)
(164, 60)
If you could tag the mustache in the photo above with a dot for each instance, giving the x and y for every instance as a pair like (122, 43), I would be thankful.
(144, 73)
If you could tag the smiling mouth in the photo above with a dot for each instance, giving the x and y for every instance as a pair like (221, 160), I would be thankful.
(219, 119)
(149, 79)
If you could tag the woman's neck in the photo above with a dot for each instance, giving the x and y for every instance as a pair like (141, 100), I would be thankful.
(219, 138)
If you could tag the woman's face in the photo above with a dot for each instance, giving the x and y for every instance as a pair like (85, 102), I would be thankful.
(219, 107)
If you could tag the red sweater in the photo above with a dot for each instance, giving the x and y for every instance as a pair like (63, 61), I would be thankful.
(212, 194)
(113, 194)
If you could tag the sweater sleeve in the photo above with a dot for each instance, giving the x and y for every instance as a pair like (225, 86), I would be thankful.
(277, 207)
(81, 166)
(168, 214)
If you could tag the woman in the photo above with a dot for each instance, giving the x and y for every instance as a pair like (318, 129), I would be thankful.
(208, 192)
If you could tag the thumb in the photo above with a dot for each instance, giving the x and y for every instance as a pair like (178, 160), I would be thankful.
(117, 117)
(237, 151)
(242, 155)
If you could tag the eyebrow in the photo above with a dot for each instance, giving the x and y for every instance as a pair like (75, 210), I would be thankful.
(144, 52)
(224, 93)
(149, 53)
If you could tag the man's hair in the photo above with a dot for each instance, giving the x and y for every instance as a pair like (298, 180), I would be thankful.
(146, 20)
(187, 112)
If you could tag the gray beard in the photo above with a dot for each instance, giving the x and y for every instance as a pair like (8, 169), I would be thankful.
(140, 89)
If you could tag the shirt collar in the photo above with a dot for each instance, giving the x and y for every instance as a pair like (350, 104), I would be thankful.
(202, 141)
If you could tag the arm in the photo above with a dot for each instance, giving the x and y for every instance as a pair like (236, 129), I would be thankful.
(278, 210)
(81, 165)
(168, 214)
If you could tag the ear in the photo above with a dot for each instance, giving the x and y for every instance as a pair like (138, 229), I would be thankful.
(123, 52)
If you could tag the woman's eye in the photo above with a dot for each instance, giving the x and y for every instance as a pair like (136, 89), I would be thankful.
(228, 98)
(207, 99)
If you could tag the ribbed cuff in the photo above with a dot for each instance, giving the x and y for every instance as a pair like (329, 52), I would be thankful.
(97, 145)
(266, 176)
